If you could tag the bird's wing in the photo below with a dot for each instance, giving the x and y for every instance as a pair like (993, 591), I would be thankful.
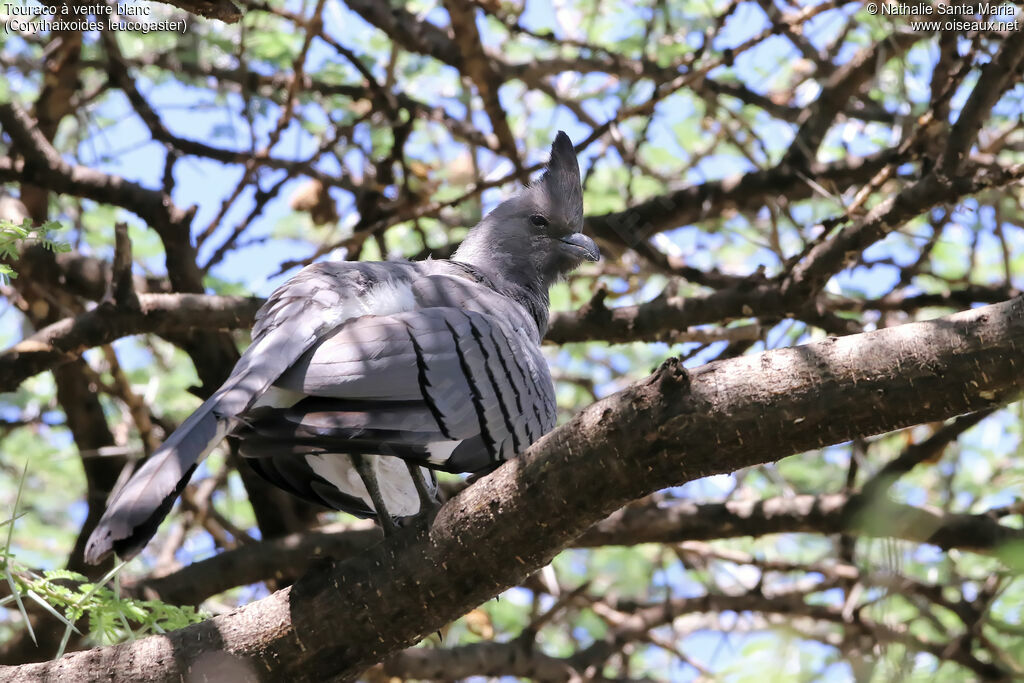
(455, 389)
(317, 300)
(439, 388)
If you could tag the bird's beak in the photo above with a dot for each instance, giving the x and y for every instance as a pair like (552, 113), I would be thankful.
(582, 246)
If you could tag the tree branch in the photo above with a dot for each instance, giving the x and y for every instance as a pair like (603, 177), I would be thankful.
(516, 658)
(66, 339)
(746, 192)
(825, 514)
(655, 521)
(223, 10)
(340, 618)
(829, 257)
(996, 76)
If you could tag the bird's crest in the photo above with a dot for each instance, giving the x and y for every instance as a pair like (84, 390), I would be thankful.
(561, 179)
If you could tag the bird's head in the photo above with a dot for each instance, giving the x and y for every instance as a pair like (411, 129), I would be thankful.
(535, 237)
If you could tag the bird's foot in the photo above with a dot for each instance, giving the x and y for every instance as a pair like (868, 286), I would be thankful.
(425, 517)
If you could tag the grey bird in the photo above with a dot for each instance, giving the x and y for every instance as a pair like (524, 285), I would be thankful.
(363, 379)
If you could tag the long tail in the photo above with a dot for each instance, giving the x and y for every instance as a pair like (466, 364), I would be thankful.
(136, 510)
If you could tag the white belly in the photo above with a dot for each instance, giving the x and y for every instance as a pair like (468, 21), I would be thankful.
(393, 477)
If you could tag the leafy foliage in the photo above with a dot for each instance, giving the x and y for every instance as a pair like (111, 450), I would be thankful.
(72, 599)
(12, 234)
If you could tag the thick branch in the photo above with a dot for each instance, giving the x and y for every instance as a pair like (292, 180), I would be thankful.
(277, 558)
(825, 514)
(157, 313)
(673, 427)
(42, 165)
(662, 318)
(652, 522)
(745, 192)
(517, 658)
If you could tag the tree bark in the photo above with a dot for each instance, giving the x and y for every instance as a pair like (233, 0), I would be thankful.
(654, 521)
(675, 426)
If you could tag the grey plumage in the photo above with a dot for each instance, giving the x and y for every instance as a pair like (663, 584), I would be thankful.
(364, 378)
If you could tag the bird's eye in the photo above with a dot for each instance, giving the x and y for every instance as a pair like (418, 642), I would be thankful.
(539, 220)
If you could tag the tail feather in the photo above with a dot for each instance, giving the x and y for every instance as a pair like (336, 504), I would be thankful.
(136, 510)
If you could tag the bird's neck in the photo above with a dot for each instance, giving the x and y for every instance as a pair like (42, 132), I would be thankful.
(514, 276)
(490, 249)
(536, 303)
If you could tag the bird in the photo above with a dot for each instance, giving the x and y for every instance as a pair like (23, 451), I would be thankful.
(364, 379)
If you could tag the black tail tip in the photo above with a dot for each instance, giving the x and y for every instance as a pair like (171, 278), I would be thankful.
(99, 547)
